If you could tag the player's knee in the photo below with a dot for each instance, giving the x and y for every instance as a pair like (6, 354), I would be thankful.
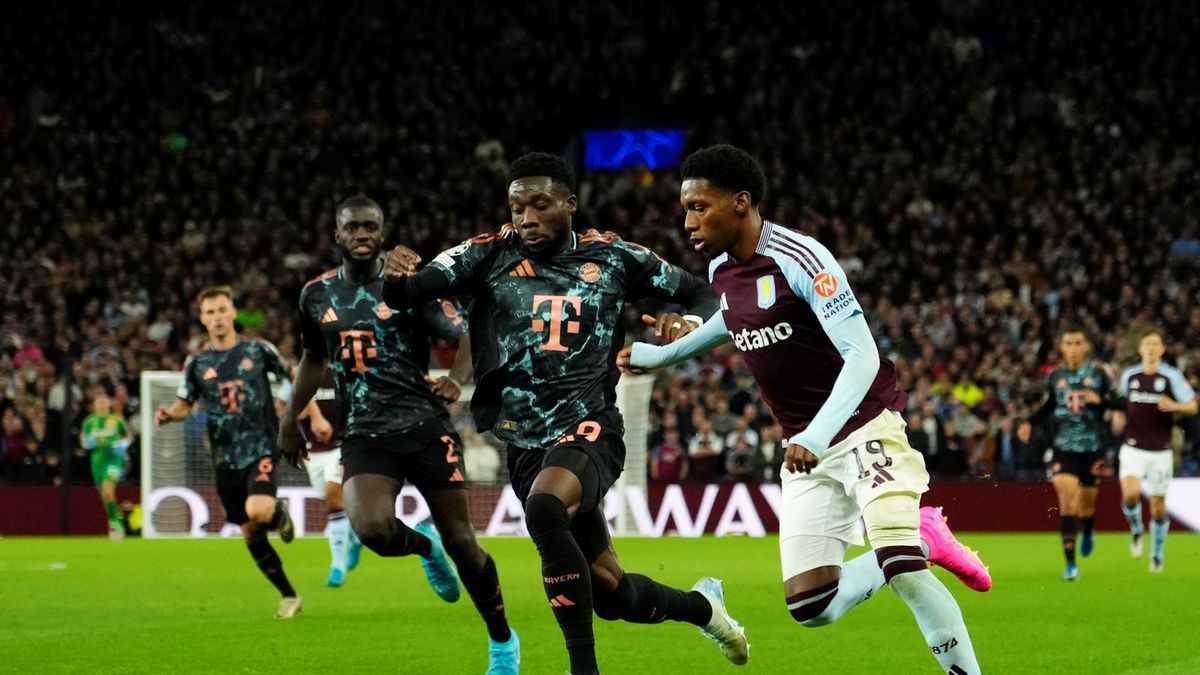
(808, 607)
(545, 513)
(374, 533)
(459, 543)
(612, 604)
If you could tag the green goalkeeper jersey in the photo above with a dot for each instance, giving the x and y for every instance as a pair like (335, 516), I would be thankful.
(101, 433)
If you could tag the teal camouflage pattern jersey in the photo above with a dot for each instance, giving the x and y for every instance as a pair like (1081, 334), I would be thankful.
(545, 330)
(234, 388)
(1079, 427)
(379, 356)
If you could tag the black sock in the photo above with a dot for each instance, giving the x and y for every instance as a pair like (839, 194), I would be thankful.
(483, 585)
(400, 540)
(640, 599)
(1069, 525)
(270, 564)
(566, 578)
(1088, 522)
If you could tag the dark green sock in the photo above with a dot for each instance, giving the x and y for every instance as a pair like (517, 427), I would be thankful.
(114, 515)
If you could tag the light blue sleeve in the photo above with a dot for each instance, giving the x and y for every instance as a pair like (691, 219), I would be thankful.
(1182, 392)
(1125, 377)
(710, 335)
(852, 338)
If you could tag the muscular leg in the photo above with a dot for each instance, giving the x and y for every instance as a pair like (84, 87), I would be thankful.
(1087, 510)
(1067, 487)
(553, 499)
(261, 510)
(819, 596)
(451, 515)
(370, 501)
(893, 525)
(617, 595)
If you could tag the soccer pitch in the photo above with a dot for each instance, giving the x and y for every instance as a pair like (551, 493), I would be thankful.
(164, 606)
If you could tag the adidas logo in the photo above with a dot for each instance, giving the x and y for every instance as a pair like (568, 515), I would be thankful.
(330, 316)
(561, 601)
(210, 374)
(881, 477)
(523, 270)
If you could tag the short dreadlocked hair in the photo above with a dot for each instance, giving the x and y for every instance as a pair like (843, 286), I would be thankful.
(727, 167)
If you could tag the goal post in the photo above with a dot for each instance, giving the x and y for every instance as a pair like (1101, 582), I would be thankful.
(178, 483)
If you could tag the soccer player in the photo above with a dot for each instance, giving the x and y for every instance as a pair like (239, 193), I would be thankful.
(788, 309)
(229, 376)
(321, 425)
(107, 436)
(397, 427)
(547, 320)
(1154, 391)
(1079, 393)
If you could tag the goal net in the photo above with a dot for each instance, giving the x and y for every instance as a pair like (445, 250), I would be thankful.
(179, 494)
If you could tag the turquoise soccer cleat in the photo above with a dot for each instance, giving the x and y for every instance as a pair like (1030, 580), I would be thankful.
(437, 566)
(504, 658)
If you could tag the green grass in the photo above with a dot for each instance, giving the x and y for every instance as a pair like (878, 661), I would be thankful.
(201, 606)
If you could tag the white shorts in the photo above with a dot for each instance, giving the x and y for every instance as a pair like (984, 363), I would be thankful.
(1155, 467)
(324, 467)
(873, 461)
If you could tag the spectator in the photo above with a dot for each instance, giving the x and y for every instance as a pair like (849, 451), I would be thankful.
(669, 460)
(704, 452)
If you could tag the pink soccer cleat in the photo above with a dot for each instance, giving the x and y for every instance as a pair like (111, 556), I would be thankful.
(950, 554)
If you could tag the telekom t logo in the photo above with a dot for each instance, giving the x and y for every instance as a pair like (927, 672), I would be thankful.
(357, 346)
(556, 318)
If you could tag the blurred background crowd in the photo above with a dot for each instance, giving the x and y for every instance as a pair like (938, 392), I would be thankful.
(986, 172)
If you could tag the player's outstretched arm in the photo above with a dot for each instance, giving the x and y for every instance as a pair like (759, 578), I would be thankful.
(860, 355)
(309, 375)
(641, 357)
(404, 286)
(172, 413)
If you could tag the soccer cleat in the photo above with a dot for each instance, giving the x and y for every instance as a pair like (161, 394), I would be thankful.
(437, 566)
(504, 658)
(336, 578)
(289, 607)
(353, 551)
(1086, 542)
(287, 529)
(1156, 565)
(722, 628)
(116, 532)
(1137, 546)
(1071, 574)
(951, 555)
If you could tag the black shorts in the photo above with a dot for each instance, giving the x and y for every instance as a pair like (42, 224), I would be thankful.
(594, 452)
(1084, 465)
(234, 486)
(429, 456)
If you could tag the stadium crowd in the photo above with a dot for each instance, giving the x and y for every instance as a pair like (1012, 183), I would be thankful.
(986, 172)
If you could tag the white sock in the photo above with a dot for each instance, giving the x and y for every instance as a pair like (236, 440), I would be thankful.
(861, 577)
(338, 531)
(940, 620)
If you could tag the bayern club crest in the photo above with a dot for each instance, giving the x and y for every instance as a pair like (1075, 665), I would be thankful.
(247, 364)
(589, 272)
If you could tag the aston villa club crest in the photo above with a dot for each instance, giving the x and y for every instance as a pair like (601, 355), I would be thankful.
(1135, 385)
(589, 272)
(766, 291)
(1160, 384)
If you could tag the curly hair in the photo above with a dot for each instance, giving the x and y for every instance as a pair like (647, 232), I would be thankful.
(543, 164)
(727, 167)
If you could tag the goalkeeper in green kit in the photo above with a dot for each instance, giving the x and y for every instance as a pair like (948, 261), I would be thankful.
(107, 436)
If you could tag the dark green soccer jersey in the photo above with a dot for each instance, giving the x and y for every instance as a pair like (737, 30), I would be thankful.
(379, 357)
(1080, 427)
(545, 330)
(234, 388)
